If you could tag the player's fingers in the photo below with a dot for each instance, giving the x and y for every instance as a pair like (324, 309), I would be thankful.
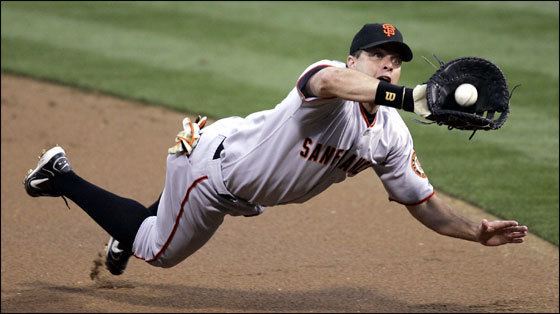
(499, 224)
(514, 235)
(516, 229)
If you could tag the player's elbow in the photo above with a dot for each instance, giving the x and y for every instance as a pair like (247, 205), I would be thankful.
(326, 82)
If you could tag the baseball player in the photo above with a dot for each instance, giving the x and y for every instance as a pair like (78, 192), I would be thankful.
(338, 120)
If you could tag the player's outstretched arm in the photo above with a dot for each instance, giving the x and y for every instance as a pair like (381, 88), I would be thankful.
(342, 83)
(353, 85)
(438, 216)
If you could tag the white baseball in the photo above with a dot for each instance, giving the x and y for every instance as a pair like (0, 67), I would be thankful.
(466, 95)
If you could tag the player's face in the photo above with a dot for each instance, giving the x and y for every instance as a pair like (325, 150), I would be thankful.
(381, 63)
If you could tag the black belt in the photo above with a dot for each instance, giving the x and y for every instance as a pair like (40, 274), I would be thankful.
(219, 150)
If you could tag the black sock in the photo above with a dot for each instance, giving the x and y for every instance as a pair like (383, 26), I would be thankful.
(120, 217)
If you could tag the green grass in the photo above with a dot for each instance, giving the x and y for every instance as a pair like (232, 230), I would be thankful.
(233, 58)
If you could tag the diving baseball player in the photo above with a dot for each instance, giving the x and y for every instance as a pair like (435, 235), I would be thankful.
(338, 120)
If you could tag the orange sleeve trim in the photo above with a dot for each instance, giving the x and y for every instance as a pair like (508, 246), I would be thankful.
(417, 203)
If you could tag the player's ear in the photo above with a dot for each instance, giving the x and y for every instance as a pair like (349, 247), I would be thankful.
(351, 62)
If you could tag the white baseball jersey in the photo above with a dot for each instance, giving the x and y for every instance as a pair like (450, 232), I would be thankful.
(295, 151)
(284, 155)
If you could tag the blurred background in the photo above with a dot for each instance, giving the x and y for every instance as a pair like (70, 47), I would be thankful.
(234, 58)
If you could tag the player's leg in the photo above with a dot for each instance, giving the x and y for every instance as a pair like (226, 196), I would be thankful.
(187, 217)
(191, 209)
(120, 217)
(117, 255)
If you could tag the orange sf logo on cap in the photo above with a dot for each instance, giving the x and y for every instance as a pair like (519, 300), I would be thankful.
(389, 30)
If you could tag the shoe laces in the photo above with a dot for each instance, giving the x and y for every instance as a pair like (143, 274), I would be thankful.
(65, 201)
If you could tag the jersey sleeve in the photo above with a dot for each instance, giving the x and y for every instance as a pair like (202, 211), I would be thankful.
(309, 72)
(402, 175)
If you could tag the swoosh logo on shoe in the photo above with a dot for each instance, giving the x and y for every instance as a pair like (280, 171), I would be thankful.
(35, 183)
(115, 248)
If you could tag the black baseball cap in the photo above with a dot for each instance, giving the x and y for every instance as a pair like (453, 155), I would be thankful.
(376, 34)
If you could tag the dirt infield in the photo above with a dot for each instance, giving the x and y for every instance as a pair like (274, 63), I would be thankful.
(347, 250)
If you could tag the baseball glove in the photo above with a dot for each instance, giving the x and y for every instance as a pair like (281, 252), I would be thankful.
(491, 108)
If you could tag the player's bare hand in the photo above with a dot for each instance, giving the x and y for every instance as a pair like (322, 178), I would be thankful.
(498, 232)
